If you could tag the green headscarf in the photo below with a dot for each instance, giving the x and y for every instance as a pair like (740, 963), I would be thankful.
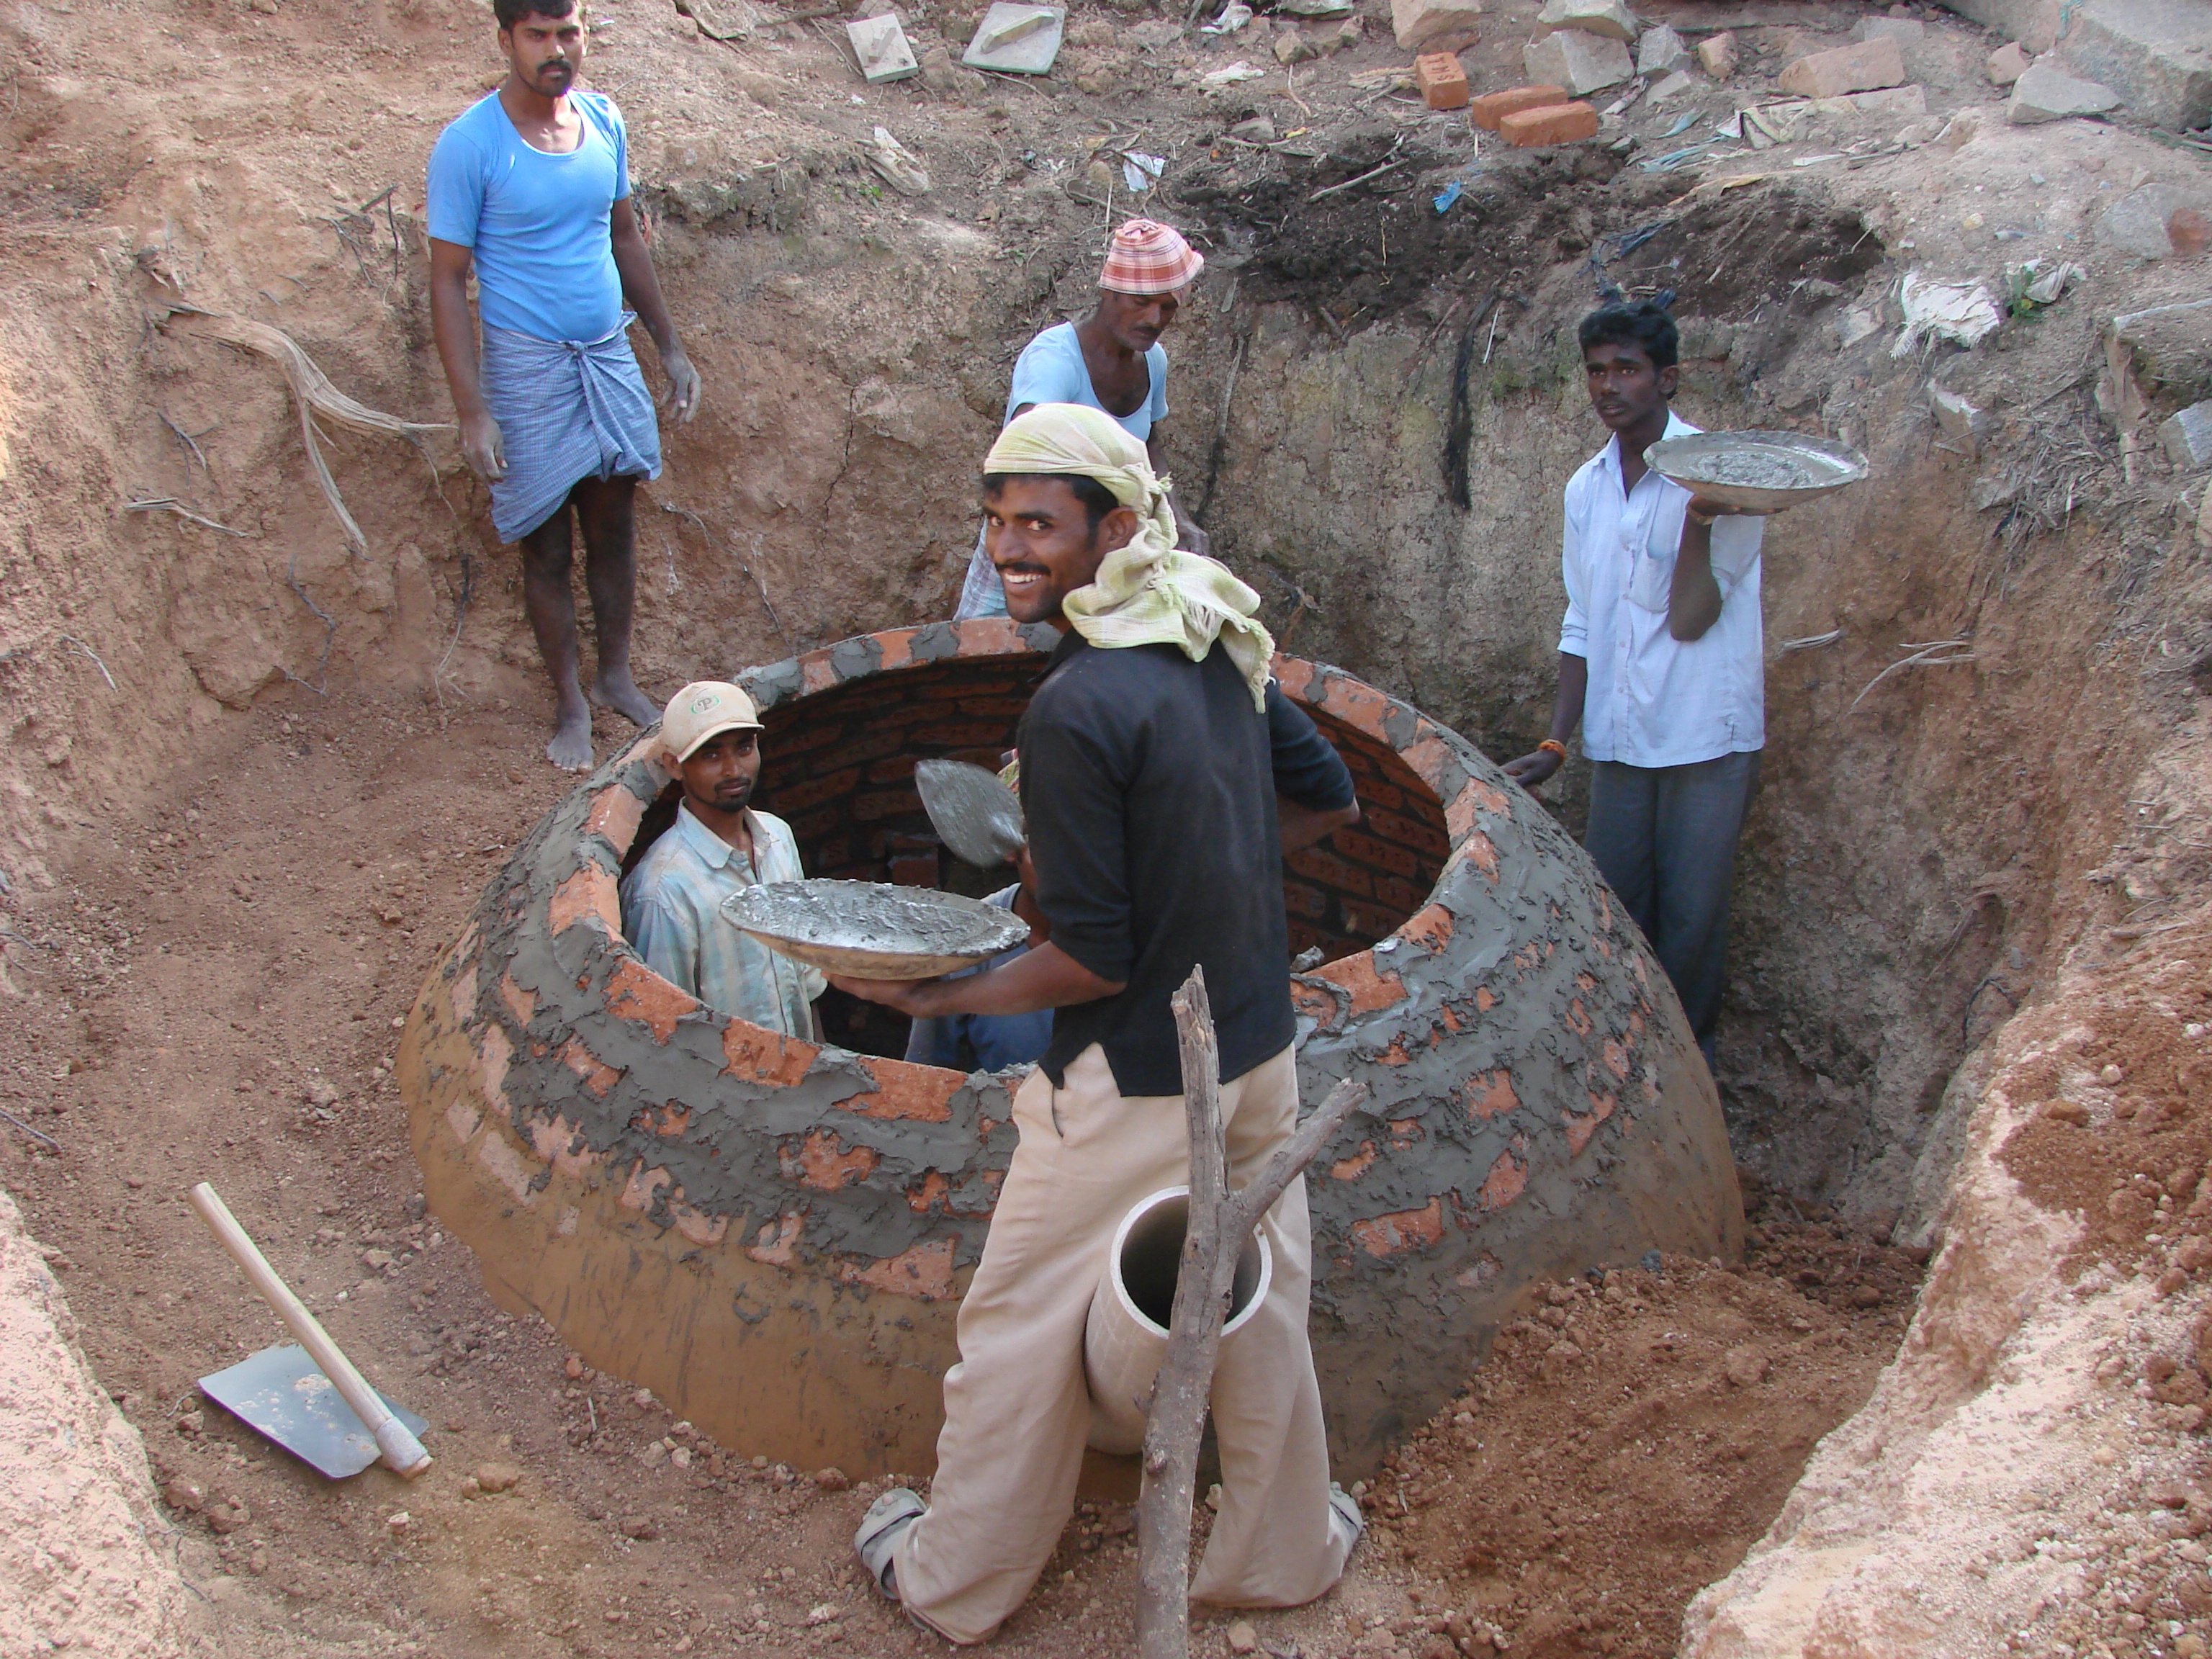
(1150, 592)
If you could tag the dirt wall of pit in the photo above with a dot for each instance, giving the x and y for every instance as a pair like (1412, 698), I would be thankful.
(82, 1565)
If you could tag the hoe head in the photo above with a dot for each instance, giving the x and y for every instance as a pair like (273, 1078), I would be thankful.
(280, 1393)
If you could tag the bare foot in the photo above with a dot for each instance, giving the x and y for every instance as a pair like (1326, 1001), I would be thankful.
(619, 692)
(571, 748)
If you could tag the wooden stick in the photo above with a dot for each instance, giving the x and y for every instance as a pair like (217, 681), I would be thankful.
(403, 1452)
(1212, 1240)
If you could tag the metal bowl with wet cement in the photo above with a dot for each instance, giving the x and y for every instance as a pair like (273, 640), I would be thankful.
(873, 930)
(1765, 472)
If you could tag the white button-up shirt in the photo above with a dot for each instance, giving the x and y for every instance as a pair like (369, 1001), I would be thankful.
(1655, 700)
(672, 909)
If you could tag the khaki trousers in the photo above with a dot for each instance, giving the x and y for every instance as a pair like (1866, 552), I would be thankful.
(1017, 1412)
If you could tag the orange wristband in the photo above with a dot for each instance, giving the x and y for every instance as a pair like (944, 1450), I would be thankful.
(1554, 745)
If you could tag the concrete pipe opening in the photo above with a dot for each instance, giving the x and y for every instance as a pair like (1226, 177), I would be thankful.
(1126, 1337)
(774, 1235)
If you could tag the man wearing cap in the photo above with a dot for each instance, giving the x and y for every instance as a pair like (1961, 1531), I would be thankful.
(1111, 361)
(672, 901)
(1163, 772)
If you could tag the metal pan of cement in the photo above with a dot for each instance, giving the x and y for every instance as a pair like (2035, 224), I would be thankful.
(873, 930)
(1017, 39)
(279, 1392)
(972, 811)
(774, 1235)
(1765, 472)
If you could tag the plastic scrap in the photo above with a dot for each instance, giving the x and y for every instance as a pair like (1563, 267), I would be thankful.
(1682, 125)
(1141, 172)
(1229, 76)
(2036, 283)
(1961, 312)
(1448, 195)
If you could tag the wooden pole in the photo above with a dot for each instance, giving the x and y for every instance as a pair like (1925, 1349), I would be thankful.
(1219, 1223)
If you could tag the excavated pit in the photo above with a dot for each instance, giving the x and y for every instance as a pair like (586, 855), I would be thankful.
(773, 1235)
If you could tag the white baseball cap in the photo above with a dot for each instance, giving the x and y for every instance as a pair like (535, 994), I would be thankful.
(703, 710)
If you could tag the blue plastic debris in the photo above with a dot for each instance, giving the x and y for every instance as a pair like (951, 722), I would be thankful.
(1448, 195)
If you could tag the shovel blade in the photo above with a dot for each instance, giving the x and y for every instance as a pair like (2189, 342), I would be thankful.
(280, 1394)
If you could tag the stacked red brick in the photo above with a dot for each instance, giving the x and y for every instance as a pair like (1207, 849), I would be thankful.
(1528, 117)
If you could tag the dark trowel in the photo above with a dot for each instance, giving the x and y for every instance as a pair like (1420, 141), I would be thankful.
(973, 813)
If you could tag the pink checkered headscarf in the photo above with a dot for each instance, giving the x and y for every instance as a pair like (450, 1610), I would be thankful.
(1146, 257)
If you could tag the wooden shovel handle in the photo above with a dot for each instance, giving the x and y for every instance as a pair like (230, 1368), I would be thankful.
(403, 1452)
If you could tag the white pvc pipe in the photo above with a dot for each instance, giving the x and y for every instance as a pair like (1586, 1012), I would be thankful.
(1126, 1337)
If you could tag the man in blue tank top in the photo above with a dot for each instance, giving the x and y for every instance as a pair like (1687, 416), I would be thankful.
(532, 185)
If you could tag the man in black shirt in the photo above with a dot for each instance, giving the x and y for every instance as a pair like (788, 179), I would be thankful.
(1162, 773)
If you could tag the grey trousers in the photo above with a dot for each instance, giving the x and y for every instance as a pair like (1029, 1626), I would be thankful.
(1665, 837)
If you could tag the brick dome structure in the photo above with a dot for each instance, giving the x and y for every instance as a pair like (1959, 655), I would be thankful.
(774, 1235)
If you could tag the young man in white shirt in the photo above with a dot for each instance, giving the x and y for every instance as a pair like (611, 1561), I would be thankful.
(1660, 664)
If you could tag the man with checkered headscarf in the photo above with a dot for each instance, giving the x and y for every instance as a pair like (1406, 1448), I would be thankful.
(1112, 360)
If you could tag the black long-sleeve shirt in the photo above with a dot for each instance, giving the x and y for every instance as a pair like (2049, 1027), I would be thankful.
(1149, 783)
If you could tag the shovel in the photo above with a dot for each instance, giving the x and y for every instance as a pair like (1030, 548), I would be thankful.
(973, 813)
(306, 1396)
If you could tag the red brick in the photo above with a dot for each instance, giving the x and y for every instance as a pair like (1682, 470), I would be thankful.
(1487, 110)
(1409, 832)
(1382, 855)
(1507, 1180)
(1441, 81)
(1333, 872)
(921, 1093)
(923, 1272)
(1401, 1230)
(636, 992)
(1549, 124)
(1301, 900)
(826, 1164)
(914, 870)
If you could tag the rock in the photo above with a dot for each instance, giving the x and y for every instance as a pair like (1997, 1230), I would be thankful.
(1660, 50)
(2066, 1111)
(319, 1091)
(379, 1260)
(2187, 436)
(1854, 324)
(2006, 64)
(2044, 94)
(1745, 1367)
(944, 77)
(1907, 32)
(1866, 1295)
(1436, 25)
(497, 1477)
(1242, 1638)
(184, 1495)
(832, 1480)
(2159, 221)
(1960, 421)
(225, 1517)
(1578, 62)
(1441, 81)
(1716, 55)
(469, 1488)
(1609, 18)
(1678, 84)
(397, 1523)
(2155, 54)
(1259, 129)
(1861, 67)
(1292, 47)
(1346, 35)
(1892, 100)
(1487, 110)
(573, 1368)
(642, 1528)
(2168, 348)
(1549, 124)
